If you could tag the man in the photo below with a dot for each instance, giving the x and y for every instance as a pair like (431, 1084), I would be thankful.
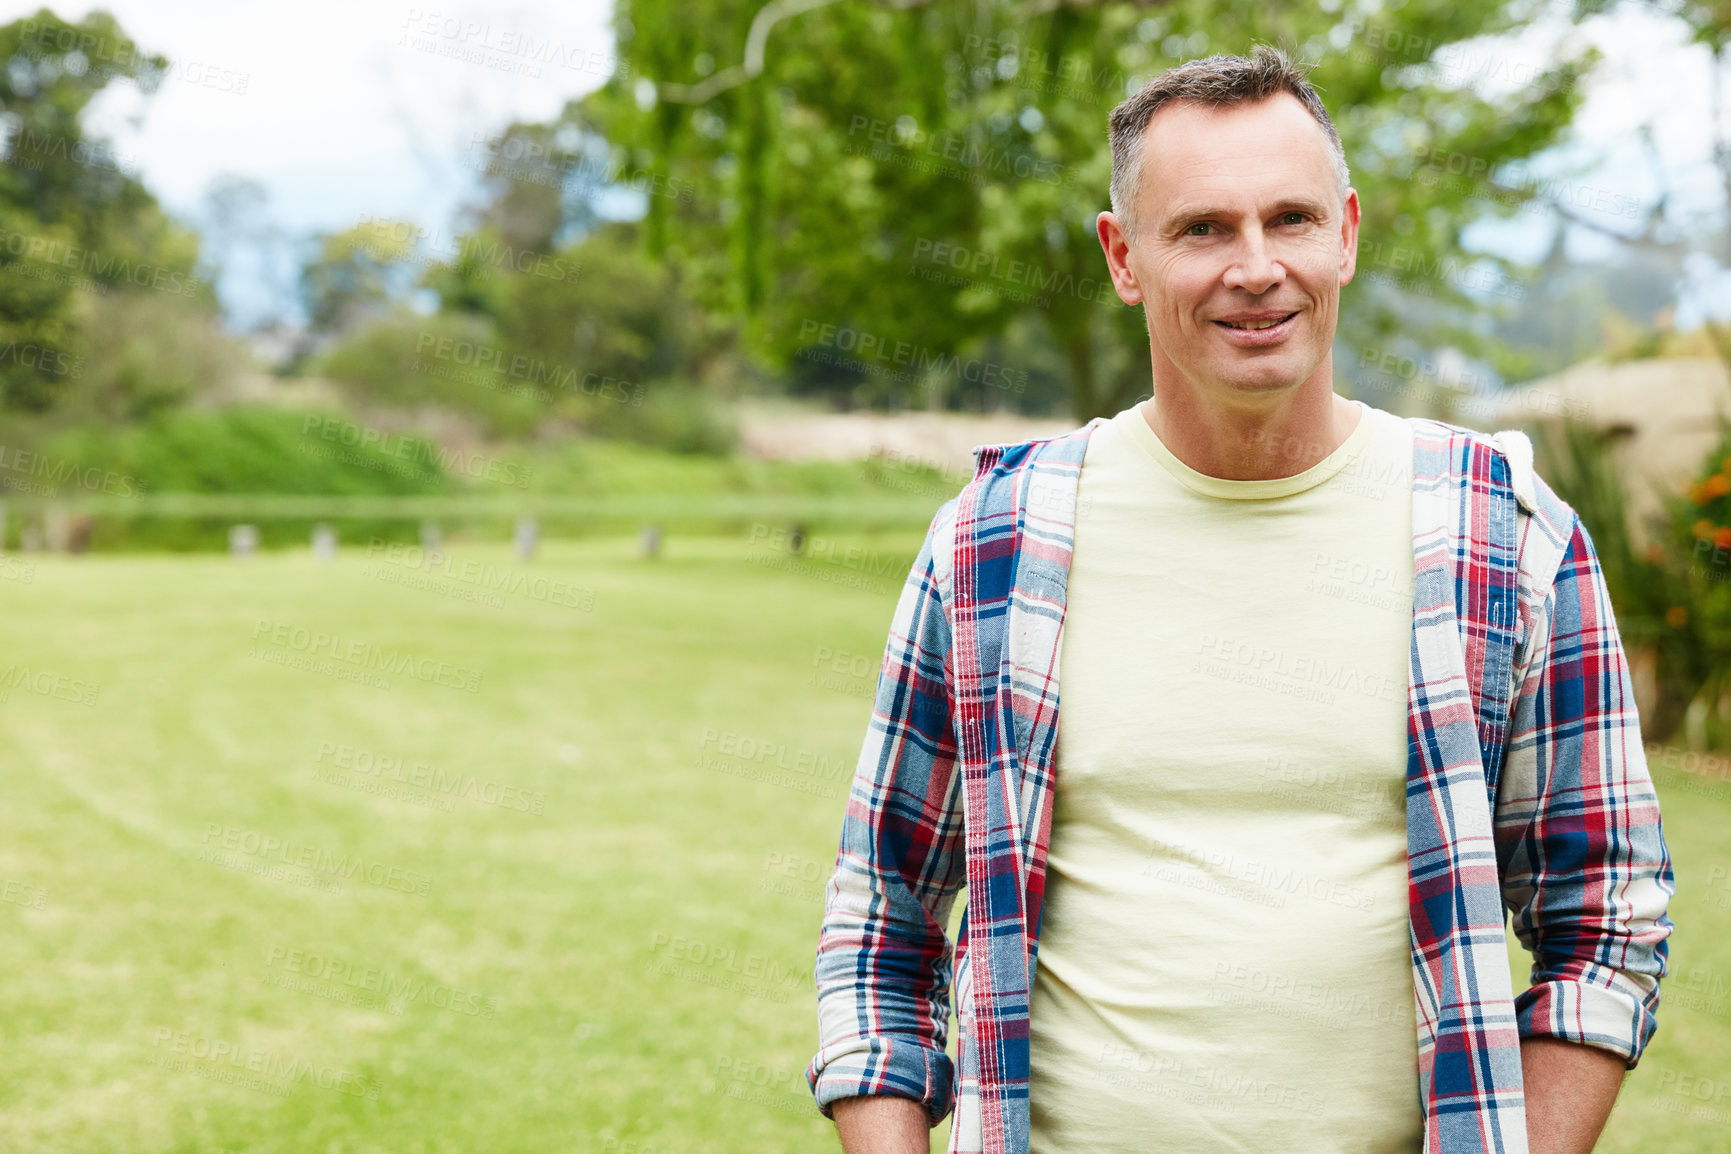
(1338, 687)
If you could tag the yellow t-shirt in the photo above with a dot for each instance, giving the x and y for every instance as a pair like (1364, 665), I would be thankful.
(1223, 952)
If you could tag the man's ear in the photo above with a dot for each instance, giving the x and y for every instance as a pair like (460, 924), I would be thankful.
(1349, 218)
(1117, 247)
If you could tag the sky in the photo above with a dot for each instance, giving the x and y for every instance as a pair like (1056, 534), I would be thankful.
(341, 109)
(348, 108)
(344, 109)
(1650, 76)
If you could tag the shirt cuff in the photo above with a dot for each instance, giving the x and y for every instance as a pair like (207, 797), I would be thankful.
(1605, 1017)
(884, 1064)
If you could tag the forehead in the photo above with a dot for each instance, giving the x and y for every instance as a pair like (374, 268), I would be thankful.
(1271, 147)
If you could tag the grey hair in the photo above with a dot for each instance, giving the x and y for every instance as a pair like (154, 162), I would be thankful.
(1214, 81)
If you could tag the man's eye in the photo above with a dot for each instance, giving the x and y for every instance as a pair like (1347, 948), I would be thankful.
(1302, 217)
(1197, 225)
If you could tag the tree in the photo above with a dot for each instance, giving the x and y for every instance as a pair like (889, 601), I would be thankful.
(915, 177)
(523, 177)
(356, 273)
(1661, 234)
(74, 223)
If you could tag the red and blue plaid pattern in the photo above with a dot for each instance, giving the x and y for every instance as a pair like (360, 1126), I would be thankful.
(1527, 788)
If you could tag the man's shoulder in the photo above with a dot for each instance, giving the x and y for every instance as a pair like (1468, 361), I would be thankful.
(1442, 448)
(989, 498)
(1444, 452)
(1057, 451)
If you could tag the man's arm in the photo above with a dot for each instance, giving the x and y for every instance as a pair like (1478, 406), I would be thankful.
(883, 1124)
(883, 956)
(1570, 1091)
(1585, 870)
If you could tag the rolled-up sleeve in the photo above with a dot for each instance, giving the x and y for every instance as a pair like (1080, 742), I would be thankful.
(1585, 871)
(883, 958)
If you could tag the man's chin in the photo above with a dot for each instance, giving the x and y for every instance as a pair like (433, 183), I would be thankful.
(1272, 376)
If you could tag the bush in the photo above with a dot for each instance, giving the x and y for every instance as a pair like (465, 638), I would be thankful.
(1673, 595)
(231, 451)
(453, 360)
(252, 450)
(149, 352)
(669, 415)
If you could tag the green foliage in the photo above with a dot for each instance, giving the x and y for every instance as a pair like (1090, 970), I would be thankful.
(592, 336)
(230, 451)
(522, 173)
(872, 135)
(74, 223)
(54, 70)
(145, 353)
(1672, 593)
(672, 415)
(252, 450)
(618, 314)
(472, 281)
(449, 359)
(620, 468)
(38, 317)
(1700, 526)
(354, 271)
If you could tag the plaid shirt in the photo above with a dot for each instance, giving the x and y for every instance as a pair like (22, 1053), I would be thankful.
(1527, 787)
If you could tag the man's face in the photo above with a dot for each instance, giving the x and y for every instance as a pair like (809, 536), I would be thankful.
(1239, 219)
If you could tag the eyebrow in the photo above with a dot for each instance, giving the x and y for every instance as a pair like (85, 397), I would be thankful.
(1288, 204)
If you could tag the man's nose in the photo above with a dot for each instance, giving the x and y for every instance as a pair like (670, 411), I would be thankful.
(1254, 267)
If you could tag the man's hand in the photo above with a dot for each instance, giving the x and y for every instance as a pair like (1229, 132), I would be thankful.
(1570, 1089)
(882, 1124)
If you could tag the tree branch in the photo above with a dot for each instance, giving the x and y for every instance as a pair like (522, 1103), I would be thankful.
(733, 76)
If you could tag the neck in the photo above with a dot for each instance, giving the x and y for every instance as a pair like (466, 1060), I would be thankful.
(1272, 438)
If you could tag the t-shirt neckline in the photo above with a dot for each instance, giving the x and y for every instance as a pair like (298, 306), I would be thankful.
(1136, 425)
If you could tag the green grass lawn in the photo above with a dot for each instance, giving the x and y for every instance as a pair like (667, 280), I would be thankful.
(315, 857)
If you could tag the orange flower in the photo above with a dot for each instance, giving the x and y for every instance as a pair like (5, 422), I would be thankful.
(1717, 485)
(1676, 617)
(1722, 536)
(1703, 528)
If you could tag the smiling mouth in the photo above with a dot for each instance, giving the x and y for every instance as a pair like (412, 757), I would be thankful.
(1252, 327)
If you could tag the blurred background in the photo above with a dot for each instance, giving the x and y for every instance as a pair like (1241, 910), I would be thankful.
(457, 467)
